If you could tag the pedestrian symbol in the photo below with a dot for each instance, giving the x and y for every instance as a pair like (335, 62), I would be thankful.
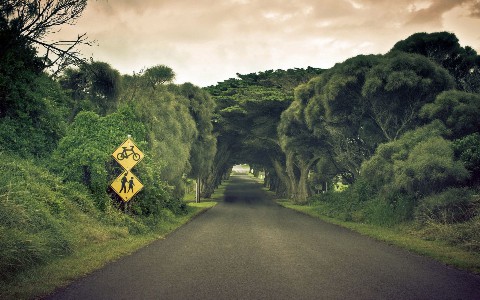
(126, 185)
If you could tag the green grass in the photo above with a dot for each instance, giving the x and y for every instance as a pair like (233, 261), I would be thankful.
(216, 196)
(203, 204)
(43, 279)
(403, 236)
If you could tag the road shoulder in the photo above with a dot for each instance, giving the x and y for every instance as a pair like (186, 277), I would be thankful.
(399, 236)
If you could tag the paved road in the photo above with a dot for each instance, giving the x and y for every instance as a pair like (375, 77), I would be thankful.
(249, 248)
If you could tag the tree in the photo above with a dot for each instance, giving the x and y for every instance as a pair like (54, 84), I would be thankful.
(460, 113)
(246, 125)
(396, 89)
(302, 148)
(94, 86)
(159, 74)
(28, 22)
(444, 48)
(32, 106)
(346, 112)
(335, 111)
(171, 129)
(203, 149)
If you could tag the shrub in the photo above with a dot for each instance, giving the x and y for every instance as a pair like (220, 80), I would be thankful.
(419, 163)
(337, 204)
(20, 250)
(42, 218)
(429, 167)
(465, 235)
(84, 154)
(451, 206)
(389, 207)
(467, 149)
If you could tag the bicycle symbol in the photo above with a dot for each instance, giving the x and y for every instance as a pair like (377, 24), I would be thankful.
(124, 155)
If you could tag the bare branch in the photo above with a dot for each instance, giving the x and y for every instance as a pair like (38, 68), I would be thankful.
(34, 19)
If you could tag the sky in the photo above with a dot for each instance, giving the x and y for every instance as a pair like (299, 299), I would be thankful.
(209, 41)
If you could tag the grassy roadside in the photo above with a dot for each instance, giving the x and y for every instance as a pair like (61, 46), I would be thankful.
(216, 196)
(402, 236)
(44, 279)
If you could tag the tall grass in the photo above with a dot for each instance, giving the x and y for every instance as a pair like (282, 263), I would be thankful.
(42, 218)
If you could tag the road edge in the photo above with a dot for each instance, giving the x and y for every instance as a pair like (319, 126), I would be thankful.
(438, 251)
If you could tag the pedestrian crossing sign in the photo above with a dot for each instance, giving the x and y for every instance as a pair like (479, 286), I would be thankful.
(126, 185)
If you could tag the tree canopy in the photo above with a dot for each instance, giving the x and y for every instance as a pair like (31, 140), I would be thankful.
(304, 128)
(444, 48)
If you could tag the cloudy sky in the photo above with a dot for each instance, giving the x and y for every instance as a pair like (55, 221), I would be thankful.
(207, 41)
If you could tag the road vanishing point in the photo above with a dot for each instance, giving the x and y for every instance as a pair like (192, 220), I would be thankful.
(248, 247)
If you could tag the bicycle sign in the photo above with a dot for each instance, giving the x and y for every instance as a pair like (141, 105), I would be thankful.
(125, 154)
(128, 154)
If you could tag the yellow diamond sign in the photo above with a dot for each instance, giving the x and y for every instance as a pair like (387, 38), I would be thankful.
(126, 185)
(128, 155)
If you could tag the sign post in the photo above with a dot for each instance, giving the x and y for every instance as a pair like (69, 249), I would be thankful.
(127, 185)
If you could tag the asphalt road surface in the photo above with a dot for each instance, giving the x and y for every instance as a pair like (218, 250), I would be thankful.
(247, 247)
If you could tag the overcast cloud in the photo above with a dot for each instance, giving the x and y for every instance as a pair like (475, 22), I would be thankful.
(206, 41)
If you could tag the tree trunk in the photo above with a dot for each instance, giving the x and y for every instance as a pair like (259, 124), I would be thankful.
(197, 190)
(298, 175)
(293, 176)
(282, 178)
(304, 191)
(214, 178)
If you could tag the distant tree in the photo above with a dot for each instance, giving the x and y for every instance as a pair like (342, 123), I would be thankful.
(246, 118)
(159, 74)
(286, 80)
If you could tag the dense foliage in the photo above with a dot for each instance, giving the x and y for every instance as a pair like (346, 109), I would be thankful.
(397, 133)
